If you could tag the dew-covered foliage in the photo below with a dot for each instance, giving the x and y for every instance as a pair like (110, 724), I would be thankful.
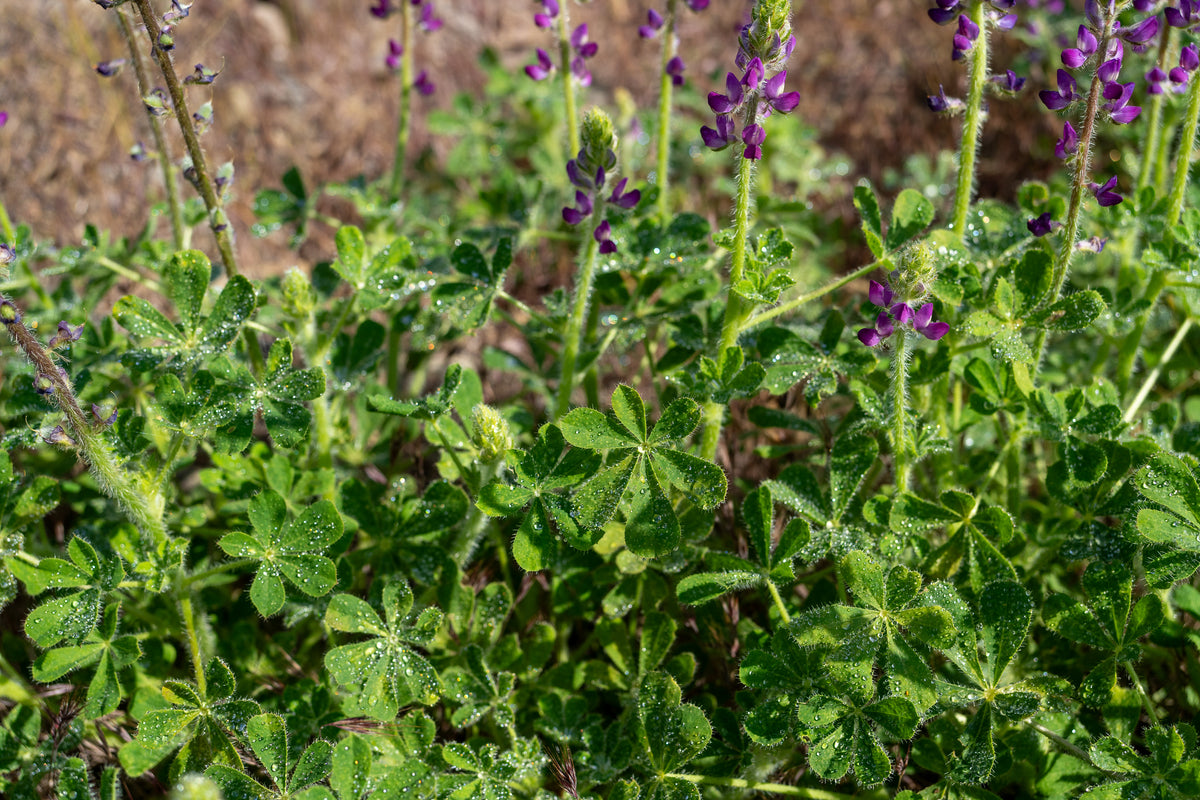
(539, 476)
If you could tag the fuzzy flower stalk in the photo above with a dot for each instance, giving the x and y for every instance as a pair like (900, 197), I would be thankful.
(138, 497)
(974, 20)
(1100, 47)
(588, 173)
(413, 14)
(574, 51)
(665, 27)
(764, 46)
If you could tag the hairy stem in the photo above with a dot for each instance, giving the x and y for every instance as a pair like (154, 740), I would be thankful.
(666, 86)
(1154, 118)
(807, 297)
(404, 124)
(899, 428)
(568, 81)
(1147, 703)
(573, 336)
(778, 601)
(165, 165)
(773, 788)
(188, 614)
(1152, 376)
(1183, 159)
(977, 76)
(736, 309)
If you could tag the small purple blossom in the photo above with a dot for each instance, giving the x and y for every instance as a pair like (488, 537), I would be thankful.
(574, 216)
(3, 118)
(1109, 70)
(395, 50)
(43, 384)
(777, 99)
(1068, 144)
(965, 38)
(1184, 16)
(1042, 224)
(428, 22)
(1085, 48)
(925, 325)
(1154, 80)
(753, 136)
(675, 68)
(1008, 82)
(945, 12)
(65, 335)
(942, 104)
(622, 199)
(602, 235)
(732, 100)
(1066, 94)
(654, 24)
(1139, 36)
(382, 9)
(107, 69)
(549, 14)
(1105, 194)
(542, 69)
(59, 436)
(1118, 95)
(720, 137)
(423, 85)
(98, 413)
(696, 5)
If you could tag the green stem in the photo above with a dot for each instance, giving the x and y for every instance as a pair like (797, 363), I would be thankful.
(1152, 377)
(164, 469)
(774, 590)
(6, 227)
(174, 207)
(404, 125)
(1147, 703)
(1063, 743)
(1154, 118)
(573, 337)
(977, 76)
(568, 80)
(1183, 157)
(736, 309)
(224, 566)
(899, 429)
(193, 641)
(1128, 351)
(666, 86)
(796, 302)
(1079, 185)
(772, 788)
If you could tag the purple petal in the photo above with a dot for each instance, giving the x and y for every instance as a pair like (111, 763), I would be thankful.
(935, 331)
(870, 337)
(923, 316)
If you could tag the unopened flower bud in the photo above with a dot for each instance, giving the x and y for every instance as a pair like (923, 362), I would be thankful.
(156, 102)
(9, 313)
(219, 221)
(203, 118)
(202, 75)
(43, 384)
(107, 69)
(166, 38)
(66, 334)
(299, 297)
(492, 435)
(138, 152)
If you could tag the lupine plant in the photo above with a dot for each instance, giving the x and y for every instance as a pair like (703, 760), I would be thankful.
(399, 523)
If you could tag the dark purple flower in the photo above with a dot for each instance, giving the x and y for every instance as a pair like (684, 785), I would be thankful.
(1182, 17)
(601, 235)
(880, 294)
(1104, 193)
(1139, 36)
(675, 68)
(755, 72)
(1154, 80)
(1118, 95)
(623, 199)
(1041, 225)
(3, 118)
(1065, 95)
(395, 50)
(580, 43)
(924, 324)
(1143, 5)
(777, 99)
(574, 216)
(1189, 59)
(727, 103)
(546, 19)
(423, 85)
(1109, 70)
(883, 329)
(541, 70)
(720, 137)
(696, 5)
(66, 334)
(106, 69)
(964, 40)
(945, 12)
(43, 384)
(944, 105)
(382, 9)
(752, 137)
(202, 76)
(1008, 82)
(655, 21)
(1068, 144)
(428, 22)
(902, 313)
(1085, 47)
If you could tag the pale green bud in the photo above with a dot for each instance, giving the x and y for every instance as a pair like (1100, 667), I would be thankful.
(299, 297)
(195, 787)
(913, 279)
(492, 435)
(597, 133)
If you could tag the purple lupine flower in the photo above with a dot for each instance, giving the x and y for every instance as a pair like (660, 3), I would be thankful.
(580, 43)
(574, 216)
(675, 68)
(1109, 70)
(1140, 36)
(602, 235)
(1085, 48)
(902, 313)
(730, 102)
(964, 40)
(98, 413)
(1042, 224)
(1143, 5)
(1118, 95)
(942, 104)
(1104, 192)
(1182, 17)
(107, 69)
(696, 5)
(755, 72)
(382, 9)
(202, 76)
(924, 324)
(777, 99)
(66, 334)
(423, 85)
(880, 294)
(1189, 61)
(1093, 245)
(622, 199)
(945, 12)
(549, 14)
(541, 70)
(1008, 82)
(1154, 80)
(59, 436)
(753, 136)
(428, 22)
(1068, 144)
(874, 336)
(1065, 95)
(720, 137)
(1005, 22)
(655, 22)
(395, 50)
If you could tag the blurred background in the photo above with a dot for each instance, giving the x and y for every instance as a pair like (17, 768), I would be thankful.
(304, 83)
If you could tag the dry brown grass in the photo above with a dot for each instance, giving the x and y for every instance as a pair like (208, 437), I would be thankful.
(304, 84)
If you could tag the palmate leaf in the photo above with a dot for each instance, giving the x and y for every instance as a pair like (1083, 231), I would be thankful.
(670, 732)
(109, 652)
(469, 301)
(642, 467)
(790, 359)
(286, 551)
(70, 617)
(846, 736)
(1170, 769)
(382, 673)
(268, 737)
(1170, 483)
(378, 278)
(195, 338)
